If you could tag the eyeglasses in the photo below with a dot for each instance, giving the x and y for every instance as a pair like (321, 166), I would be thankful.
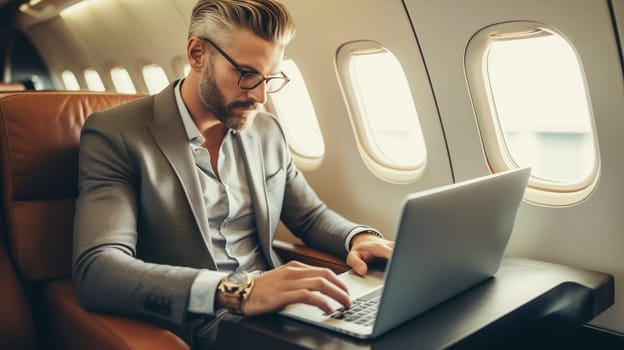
(250, 79)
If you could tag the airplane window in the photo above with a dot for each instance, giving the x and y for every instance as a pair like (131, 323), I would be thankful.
(122, 81)
(383, 111)
(187, 69)
(94, 82)
(70, 81)
(294, 108)
(536, 93)
(155, 78)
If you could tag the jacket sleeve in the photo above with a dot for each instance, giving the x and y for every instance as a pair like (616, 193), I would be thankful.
(306, 215)
(107, 275)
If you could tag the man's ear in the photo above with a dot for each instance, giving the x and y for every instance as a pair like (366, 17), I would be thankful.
(195, 50)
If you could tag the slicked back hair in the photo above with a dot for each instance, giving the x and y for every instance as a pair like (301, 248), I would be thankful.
(217, 20)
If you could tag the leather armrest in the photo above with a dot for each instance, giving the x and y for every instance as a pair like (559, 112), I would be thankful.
(290, 251)
(73, 327)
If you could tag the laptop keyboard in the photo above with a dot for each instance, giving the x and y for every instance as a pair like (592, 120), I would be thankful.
(363, 310)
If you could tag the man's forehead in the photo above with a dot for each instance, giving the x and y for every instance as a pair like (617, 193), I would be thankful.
(253, 52)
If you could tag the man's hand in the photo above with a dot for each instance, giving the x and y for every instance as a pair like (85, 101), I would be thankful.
(295, 282)
(364, 248)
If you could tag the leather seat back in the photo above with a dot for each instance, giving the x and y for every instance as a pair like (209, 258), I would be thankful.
(39, 140)
(17, 329)
(39, 161)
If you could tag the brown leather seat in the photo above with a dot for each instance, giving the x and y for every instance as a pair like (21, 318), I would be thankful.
(16, 325)
(39, 142)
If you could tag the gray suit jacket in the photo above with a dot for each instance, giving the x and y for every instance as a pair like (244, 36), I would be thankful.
(140, 236)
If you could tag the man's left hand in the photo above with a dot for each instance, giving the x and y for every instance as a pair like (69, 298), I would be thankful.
(364, 248)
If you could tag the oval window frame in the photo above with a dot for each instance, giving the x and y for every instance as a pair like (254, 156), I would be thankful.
(539, 191)
(377, 164)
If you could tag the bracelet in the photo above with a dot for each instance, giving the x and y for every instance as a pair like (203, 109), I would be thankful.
(374, 233)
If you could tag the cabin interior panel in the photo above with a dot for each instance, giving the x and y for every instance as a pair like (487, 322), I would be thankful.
(353, 190)
(586, 234)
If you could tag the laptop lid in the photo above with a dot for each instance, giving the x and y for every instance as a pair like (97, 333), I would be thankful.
(448, 239)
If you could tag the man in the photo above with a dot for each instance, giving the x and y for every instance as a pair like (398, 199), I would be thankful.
(181, 192)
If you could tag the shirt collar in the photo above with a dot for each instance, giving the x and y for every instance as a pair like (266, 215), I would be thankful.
(194, 136)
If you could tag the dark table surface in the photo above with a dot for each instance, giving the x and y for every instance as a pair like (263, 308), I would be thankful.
(525, 295)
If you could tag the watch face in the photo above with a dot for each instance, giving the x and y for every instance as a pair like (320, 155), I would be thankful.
(238, 278)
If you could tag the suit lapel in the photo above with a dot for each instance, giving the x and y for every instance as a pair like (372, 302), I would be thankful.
(168, 131)
(254, 166)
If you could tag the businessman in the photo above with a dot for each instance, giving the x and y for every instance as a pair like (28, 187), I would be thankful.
(181, 192)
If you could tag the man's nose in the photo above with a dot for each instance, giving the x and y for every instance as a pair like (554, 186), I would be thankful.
(258, 94)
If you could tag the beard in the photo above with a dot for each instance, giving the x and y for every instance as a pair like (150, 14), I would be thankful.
(214, 101)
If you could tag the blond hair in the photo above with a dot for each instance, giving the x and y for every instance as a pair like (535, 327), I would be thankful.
(218, 19)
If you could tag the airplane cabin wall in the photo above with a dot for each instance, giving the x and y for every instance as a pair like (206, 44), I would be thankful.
(342, 180)
(587, 234)
(153, 32)
(618, 17)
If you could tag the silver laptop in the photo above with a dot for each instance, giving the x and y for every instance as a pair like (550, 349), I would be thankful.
(449, 239)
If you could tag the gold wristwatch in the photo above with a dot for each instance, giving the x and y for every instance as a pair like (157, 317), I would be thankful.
(235, 289)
